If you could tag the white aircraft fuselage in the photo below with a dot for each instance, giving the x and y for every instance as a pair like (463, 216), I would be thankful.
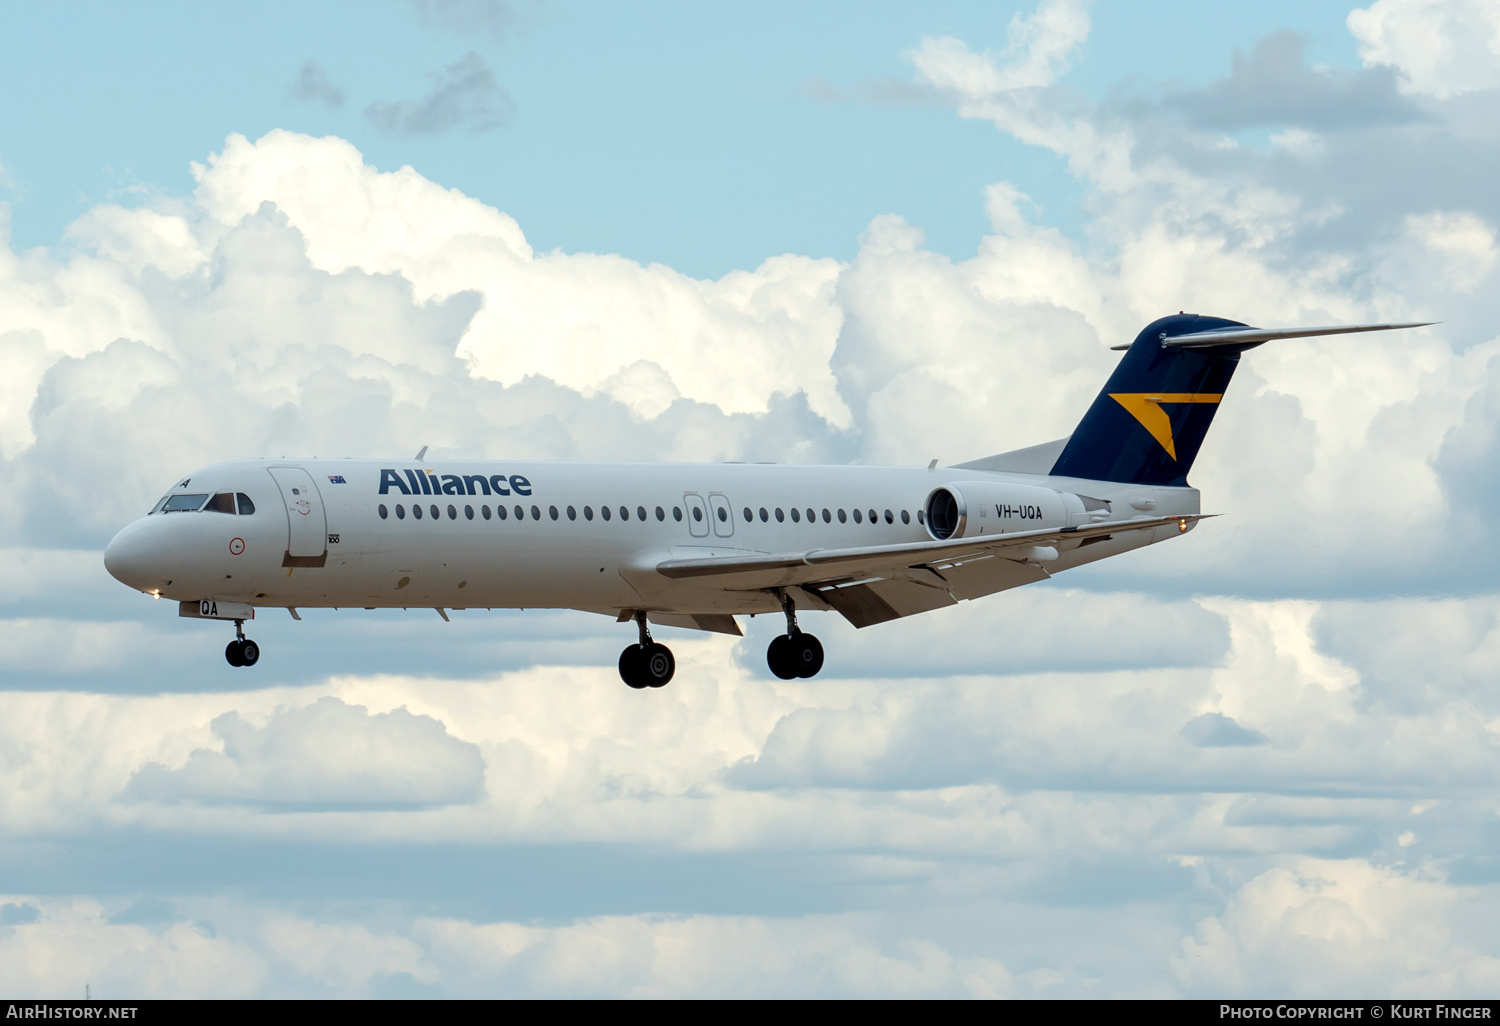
(584, 536)
(694, 545)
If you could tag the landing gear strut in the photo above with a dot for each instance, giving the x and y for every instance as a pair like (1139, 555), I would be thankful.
(794, 654)
(241, 651)
(648, 664)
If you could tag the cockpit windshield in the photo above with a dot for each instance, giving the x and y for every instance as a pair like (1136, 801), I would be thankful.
(224, 502)
(184, 503)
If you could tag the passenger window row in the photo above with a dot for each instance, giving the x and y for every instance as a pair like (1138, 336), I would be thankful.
(502, 513)
(828, 515)
(608, 513)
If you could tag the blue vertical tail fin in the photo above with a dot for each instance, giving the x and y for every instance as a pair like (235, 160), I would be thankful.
(1149, 421)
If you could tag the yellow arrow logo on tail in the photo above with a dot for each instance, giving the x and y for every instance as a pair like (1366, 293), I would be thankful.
(1146, 408)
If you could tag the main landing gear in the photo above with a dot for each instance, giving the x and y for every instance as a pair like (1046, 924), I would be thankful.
(648, 664)
(241, 651)
(794, 654)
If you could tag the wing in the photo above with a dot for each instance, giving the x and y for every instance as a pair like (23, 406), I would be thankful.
(875, 583)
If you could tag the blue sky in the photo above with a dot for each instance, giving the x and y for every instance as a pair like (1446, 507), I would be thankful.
(674, 132)
(1259, 760)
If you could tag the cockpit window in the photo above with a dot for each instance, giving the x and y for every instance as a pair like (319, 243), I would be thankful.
(184, 503)
(221, 503)
(246, 506)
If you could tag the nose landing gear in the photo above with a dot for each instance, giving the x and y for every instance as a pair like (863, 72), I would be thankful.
(648, 664)
(794, 654)
(241, 651)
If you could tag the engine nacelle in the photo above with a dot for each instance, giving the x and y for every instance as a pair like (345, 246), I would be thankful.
(968, 509)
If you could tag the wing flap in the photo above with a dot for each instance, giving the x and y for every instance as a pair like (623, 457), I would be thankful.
(834, 566)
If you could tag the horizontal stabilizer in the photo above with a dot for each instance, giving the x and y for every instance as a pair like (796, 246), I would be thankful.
(1254, 336)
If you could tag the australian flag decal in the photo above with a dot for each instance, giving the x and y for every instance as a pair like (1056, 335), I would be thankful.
(336, 479)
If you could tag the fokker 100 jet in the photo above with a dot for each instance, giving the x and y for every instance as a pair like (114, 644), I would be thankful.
(695, 545)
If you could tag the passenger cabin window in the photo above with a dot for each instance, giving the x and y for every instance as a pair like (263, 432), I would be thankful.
(796, 514)
(661, 514)
(906, 516)
(221, 503)
(384, 513)
(400, 511)
(185, 503)
(246, 506)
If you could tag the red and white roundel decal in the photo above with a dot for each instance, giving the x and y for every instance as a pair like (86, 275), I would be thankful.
(237, 546)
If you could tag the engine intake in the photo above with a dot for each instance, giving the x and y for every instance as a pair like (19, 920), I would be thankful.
(947, 514)
(967, 509)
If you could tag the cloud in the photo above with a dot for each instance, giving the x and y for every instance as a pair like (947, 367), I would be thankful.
(71, 944)
(717, 956)
(1274, 86)
(1068, 760)
(495, 19)
(465, 94)
(17, 914)
(1215, 730)
(885, 91)
(1441, 47)
(313, 86)
(1317, 927)
(326, 755)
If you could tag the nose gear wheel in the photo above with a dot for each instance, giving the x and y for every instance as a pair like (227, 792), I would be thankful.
(241, 651)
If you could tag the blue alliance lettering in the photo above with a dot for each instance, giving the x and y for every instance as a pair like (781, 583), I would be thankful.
(427, 482)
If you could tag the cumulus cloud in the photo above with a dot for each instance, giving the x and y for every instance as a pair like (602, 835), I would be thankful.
(312, 85)
(465, 94)
(54, 954)
(1317, 927)
(1285, 718)
(1441, 47)
(1273, 85)
(328, 754)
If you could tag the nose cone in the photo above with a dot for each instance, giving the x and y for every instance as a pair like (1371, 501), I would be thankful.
(134, 556)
